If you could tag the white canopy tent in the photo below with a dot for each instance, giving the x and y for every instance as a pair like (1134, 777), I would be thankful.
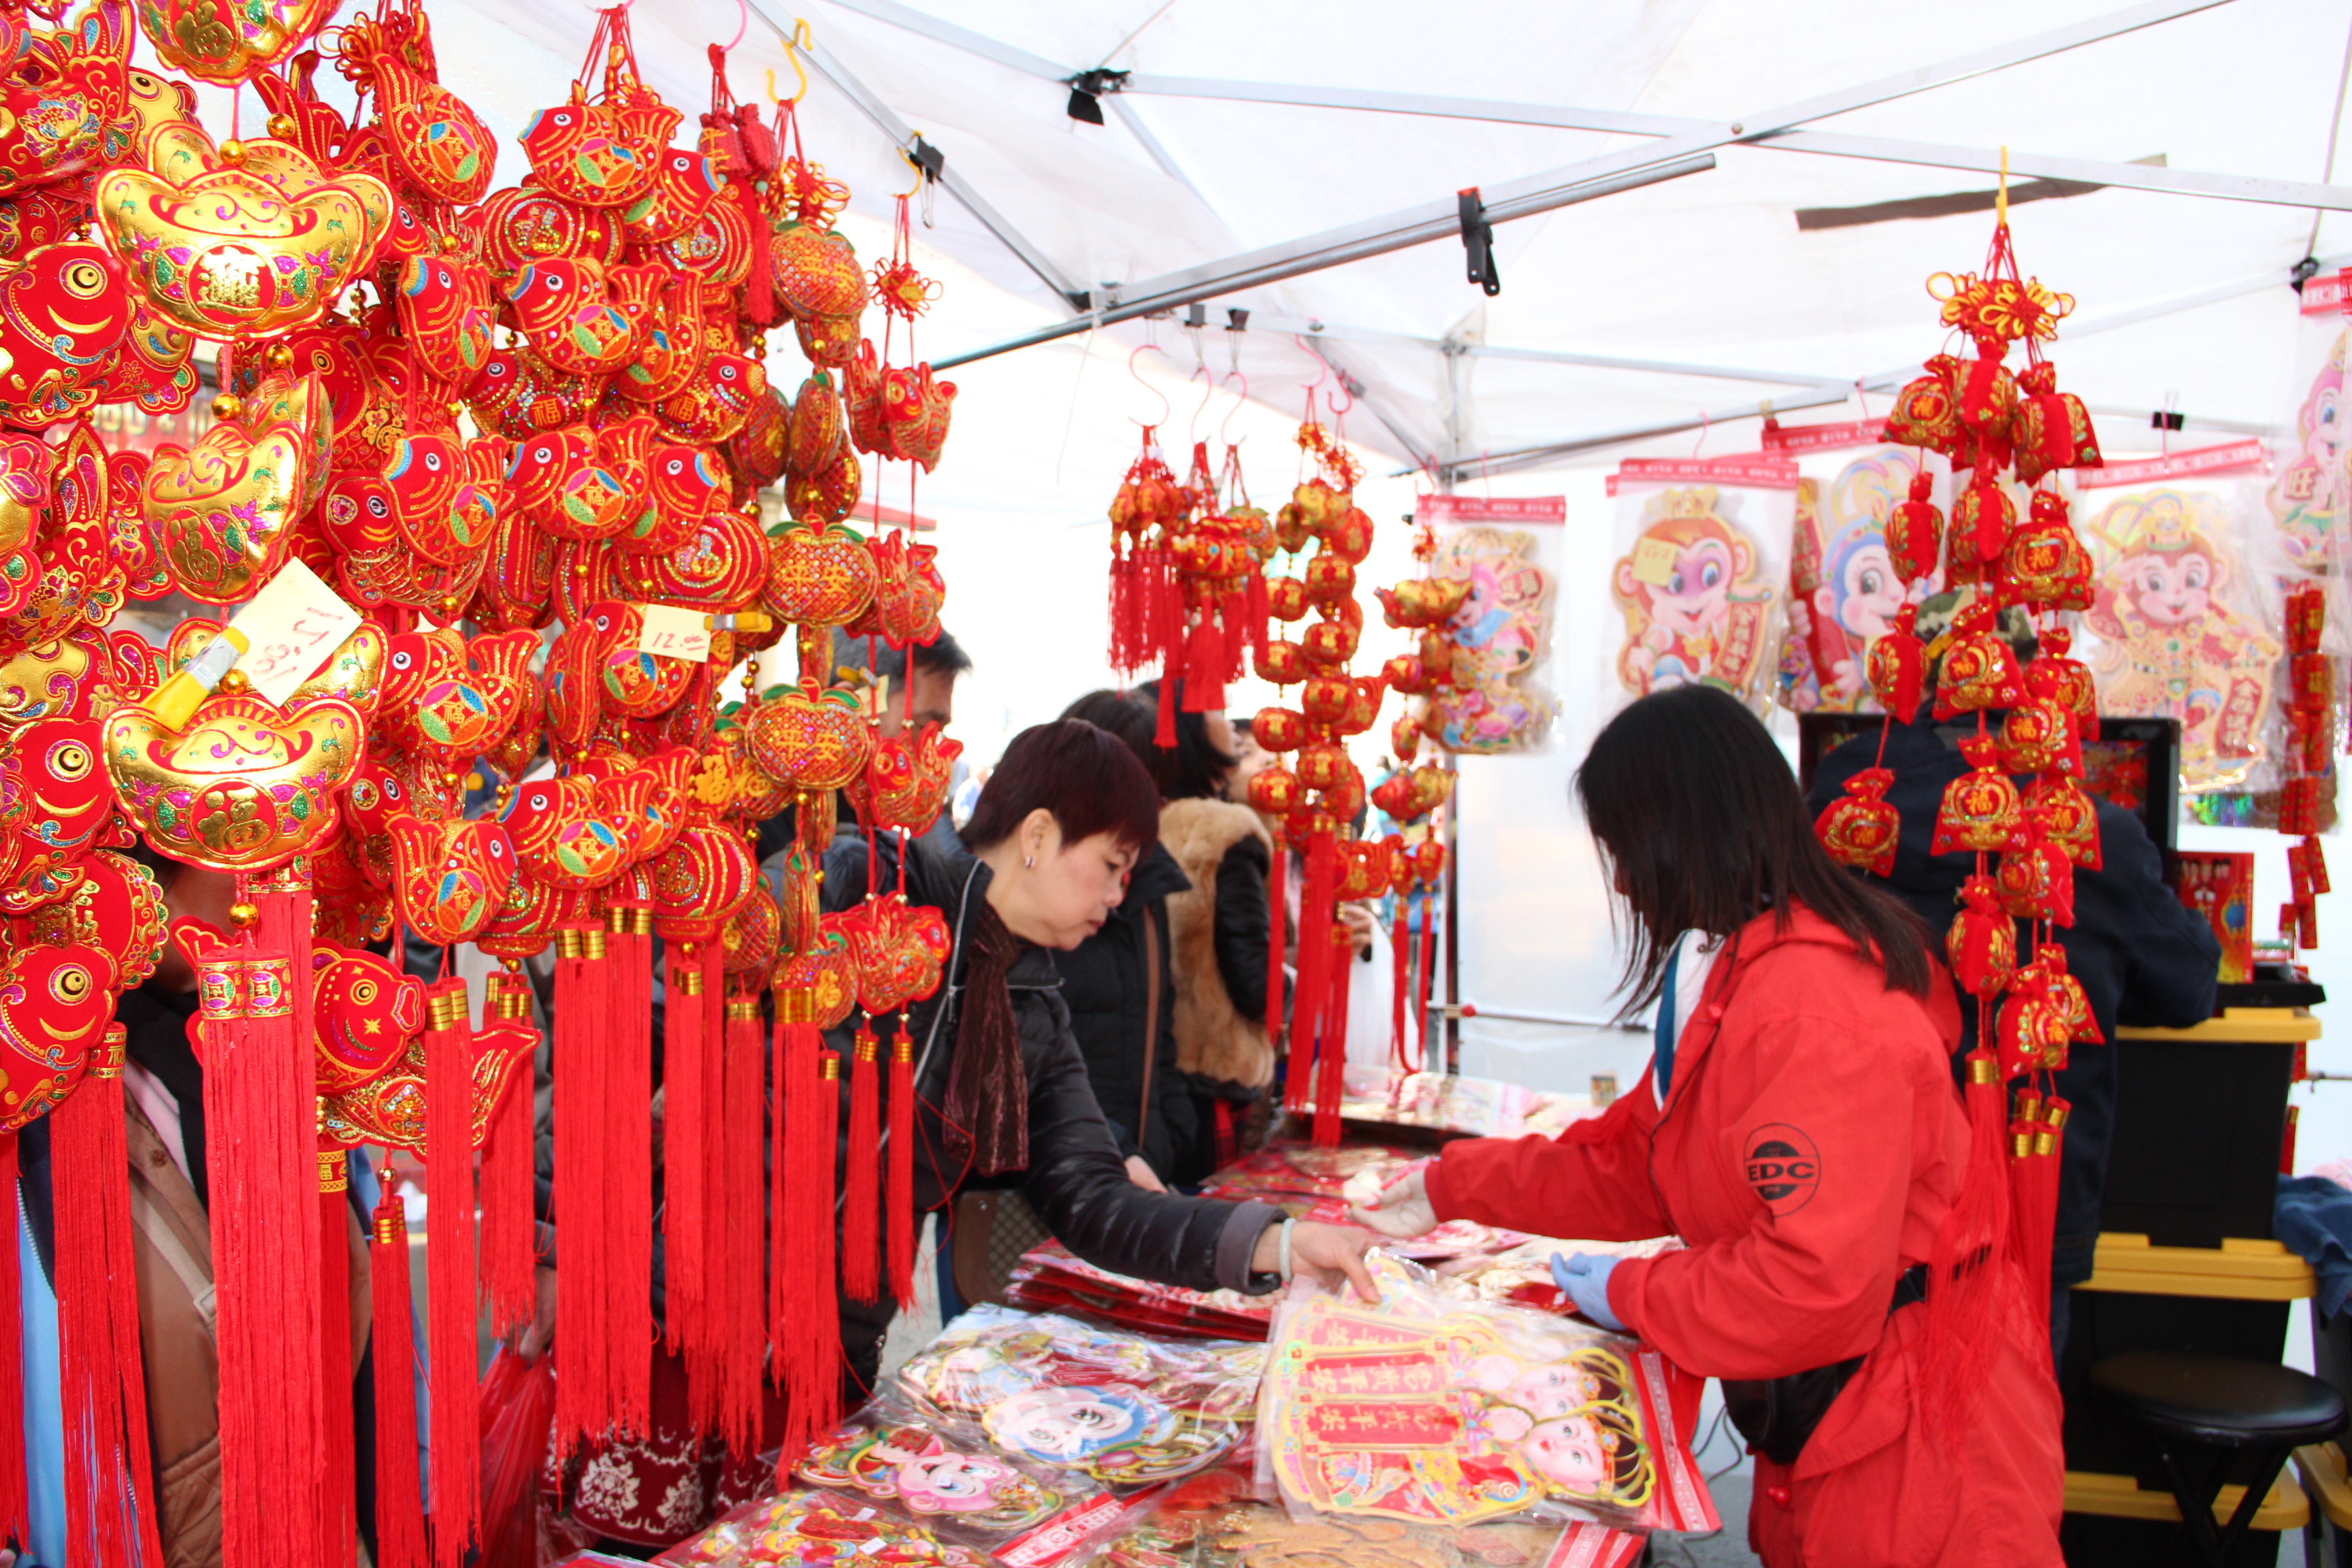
(1657, 286)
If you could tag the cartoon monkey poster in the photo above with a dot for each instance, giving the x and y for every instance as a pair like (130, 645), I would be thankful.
(1699, 591)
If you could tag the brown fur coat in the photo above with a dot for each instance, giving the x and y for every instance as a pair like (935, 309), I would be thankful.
(1211, 1037)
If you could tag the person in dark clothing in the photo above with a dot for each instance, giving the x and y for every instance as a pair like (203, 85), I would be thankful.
(2142, 956)
(1001, 1083)
(1119, 986)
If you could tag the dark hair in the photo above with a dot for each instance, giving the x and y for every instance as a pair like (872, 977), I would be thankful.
(1194, 768)
(1123, 714)
(943, 656)
(1087, 777)
(1699, 822)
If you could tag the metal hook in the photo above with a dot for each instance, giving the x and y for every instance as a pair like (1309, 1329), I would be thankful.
(800, 38)
(743, 23)
(1323, 366)
(1338, 412)
(1236, 408)
(1192, 426)
(1166, 408)
(921, 173)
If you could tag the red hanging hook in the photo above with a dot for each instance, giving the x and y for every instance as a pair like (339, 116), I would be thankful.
(1236, 408)
(1166, 408)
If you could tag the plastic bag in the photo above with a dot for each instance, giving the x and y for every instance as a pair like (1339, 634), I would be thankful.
(1241, 1534)
(942, 1475)
(1704, 569)
(517, 1405)
(1123, 1410)
(813, 1529)
(1428, 1409)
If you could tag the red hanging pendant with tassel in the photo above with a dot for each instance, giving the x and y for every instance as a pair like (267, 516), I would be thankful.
(449, 1270)
(399, 1505)
(738, 1219)
(15, 1505)
(338, 1511)
(898, 1193)
(509, 1244)
(861, 1200)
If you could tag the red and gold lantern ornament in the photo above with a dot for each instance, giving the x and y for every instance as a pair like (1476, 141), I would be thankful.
(2033, 1027)
(1981, 810)
(2043, 564)
(1864, 829)
(1914, 531)
(1978, 671)
(1983, 943)
(1896, 667)
(2035, 877)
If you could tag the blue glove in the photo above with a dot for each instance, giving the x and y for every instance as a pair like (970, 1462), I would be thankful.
(1584, 1278)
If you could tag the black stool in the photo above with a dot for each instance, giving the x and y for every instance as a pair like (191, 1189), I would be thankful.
(2202, 1412)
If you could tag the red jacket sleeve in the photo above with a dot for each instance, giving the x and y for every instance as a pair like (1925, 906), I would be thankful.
(1809, 1284)
(1592, 1182)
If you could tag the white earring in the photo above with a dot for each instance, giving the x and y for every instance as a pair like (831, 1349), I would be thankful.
(1029, 862)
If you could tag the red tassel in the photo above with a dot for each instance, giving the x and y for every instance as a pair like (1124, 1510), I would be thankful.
(1423, 1002)
(105, 1389)
(861, 1201)
(449, 1283)
(337, 1513)
(1967, 1261)
(585, 1392)
(1204, 667)
(760, 288)
(510, 1261)
(805, 1325)
(627, 1087)
(399, 1508)
(1400, 952)
(688, 1052)
(900, 1192)
(1258, 613)
(1333, 1056)
(1125, 654)
(1277, 901)
(1227, 1150)
(1233, 616)
(15, 1505)
(2033, 1190)
(1164, 736)
(1314, 984)
(260, 1110)
(741, 1197)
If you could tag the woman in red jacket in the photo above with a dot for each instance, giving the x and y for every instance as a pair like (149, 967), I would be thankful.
(1799, 1131)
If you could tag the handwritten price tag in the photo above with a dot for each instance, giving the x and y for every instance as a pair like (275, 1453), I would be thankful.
(676, 633)
(1654, 562)
(292, 627)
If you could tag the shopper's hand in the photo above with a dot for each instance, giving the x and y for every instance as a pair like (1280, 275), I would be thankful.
(1139, 1172)
(539, 1333)
(1399, 1209)
(1583, 1277)
(1325, 1253)
(1358, 919)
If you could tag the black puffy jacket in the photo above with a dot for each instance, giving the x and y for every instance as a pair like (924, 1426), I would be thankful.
(1106, 982)
(1076, 1180)
(2144, 958)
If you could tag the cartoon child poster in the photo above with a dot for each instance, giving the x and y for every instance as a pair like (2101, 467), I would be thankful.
(1698, 590)
(1501, 636)
(2180, 631)
(2308, 499)
(1844, 591)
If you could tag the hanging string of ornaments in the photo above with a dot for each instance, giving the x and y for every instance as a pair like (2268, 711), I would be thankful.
(1192, 586)
(450, 418)
(1987, 421)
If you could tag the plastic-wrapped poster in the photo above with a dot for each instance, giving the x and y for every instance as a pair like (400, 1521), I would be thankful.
(1844, 591)
(1501, 637)
(2308, 494)
(819, 1530)
(1119, 1408)
(2178, 629)
(1433, 1410)
(1701, 580)
(1258, 1535)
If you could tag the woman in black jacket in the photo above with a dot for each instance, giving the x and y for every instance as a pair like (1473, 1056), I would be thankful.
(1120, 987)
(1000, 1081)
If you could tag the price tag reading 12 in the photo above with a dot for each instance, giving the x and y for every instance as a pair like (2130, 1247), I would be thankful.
(675, 633)
(292, 627)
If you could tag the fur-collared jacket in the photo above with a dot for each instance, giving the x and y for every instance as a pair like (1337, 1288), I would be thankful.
(1221, 928)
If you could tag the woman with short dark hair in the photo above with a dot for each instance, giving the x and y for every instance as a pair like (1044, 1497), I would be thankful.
(1799, 1131)
(1000, 1081)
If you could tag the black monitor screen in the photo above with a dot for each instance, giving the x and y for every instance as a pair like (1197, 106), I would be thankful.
(2133, 763)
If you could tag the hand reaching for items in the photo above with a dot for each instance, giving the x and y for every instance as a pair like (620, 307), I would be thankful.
(1359, 922)
(1139, 1172)
(1400, 1209)
(1297, 1247)
(1583, 1277)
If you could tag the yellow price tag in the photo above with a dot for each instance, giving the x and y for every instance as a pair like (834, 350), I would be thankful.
(291, 628)
(1654, 562)
(675, 633)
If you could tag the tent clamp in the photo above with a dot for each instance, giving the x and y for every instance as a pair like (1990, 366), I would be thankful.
(2167, 419)
(1479, 240)
(930, 160)
(2303, 272)
(1236, 319)
(1086, 91)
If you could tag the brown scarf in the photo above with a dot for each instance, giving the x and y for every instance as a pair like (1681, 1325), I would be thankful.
(987, 1086)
